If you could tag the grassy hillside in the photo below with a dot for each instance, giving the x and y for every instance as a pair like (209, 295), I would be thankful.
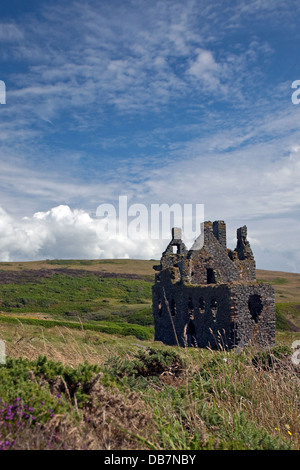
(287, 299)
(95, 299)
(118, 266)
(88, 291)
(83, 371)
(287, 285)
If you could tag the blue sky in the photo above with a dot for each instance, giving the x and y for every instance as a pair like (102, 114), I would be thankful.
(162, 101)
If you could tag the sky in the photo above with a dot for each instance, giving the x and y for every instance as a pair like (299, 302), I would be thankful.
(162, 101)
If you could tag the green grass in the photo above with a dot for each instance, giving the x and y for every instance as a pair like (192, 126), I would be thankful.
(87, 296)
(287, 316)
(116, 306)
(146, 395)
(158, 398)
(123, 329)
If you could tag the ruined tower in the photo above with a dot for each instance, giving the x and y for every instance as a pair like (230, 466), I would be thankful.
(208, 296)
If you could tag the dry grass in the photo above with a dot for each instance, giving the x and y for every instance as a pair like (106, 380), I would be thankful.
(110, 422)
(219, 396)
(268, 396)
(287, 285)
(65, 345)
(119, 266)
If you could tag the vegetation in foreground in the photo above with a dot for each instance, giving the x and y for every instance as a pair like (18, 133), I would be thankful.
(127, 395)
(82, 371)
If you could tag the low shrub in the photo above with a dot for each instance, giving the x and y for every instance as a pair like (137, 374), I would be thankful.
(148, 362)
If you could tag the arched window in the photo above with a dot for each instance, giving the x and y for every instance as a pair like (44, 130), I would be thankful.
(190, 335)
(191, 308)
(255, 306)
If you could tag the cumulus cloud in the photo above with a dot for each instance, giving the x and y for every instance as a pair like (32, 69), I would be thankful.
(134, 59)
(63, 233)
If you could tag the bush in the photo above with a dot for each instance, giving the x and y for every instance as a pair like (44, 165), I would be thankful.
(35, 381)
(146, 363)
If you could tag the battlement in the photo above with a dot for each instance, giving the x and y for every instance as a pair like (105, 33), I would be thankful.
(209, 261)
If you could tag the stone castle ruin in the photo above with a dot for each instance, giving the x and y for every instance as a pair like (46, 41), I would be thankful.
(208, 296)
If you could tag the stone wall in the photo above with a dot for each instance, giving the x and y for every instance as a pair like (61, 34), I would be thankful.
(215, 316)
(208, 296)
(253, 314)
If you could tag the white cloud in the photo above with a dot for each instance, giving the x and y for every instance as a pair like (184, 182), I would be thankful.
(241, 175)
(63, 233)
(128, 59)
(10, 32)
(136, 58)
(205, 68)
